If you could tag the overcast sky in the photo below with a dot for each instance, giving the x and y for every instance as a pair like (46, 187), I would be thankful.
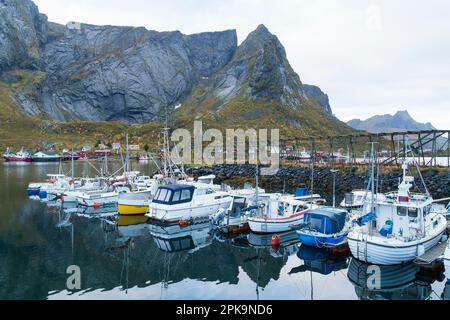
(370, 56)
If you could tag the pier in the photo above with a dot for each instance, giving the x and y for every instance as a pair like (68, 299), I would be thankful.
(427, 146)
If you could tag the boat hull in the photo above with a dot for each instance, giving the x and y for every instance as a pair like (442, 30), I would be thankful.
(98, 201)
(17, 159)
(385, 254)
(47, 159)
(261, 225)
(321, 240)
(169, 216)
(132, 209)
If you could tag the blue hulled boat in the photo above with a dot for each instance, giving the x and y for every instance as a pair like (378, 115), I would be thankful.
(324, 227)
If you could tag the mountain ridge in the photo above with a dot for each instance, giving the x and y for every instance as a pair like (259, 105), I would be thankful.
(84, 72)
(400, 121)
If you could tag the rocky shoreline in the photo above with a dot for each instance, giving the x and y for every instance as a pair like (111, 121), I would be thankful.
(347, 179)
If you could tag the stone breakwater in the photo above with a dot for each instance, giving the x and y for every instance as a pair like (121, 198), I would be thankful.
(347, 179)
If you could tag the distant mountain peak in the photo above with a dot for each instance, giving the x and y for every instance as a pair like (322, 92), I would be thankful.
(400, 121)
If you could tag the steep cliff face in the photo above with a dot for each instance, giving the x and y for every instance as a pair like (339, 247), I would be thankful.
(127, 74)
(260, 67)
(133, 75)
(22, 34)
(259, 88)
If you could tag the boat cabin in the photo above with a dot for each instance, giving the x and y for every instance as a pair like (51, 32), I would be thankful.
(279, 206)
(174, 194)
(326, 220)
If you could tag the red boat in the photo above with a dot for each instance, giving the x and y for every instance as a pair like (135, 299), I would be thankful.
(18, 157)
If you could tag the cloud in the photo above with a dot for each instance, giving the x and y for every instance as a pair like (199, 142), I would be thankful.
(370, 56)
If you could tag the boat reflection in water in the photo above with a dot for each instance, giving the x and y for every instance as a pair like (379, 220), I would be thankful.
(176, 238)
(320, 260)
(132, 226)
(286, 246)
(397, 282)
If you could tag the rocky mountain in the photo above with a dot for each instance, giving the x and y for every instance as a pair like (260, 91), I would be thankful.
(134, 75)
(400, 121)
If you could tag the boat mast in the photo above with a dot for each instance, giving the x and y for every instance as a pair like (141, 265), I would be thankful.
(73, 167)
(127, 156)
(313, 157)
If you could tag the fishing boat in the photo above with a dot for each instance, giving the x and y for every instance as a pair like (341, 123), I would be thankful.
(324, 227)
(173, 203)
(233, 220)
(43, 189)
(20, 156)
(135, 202)
(357, 198)
(397, 228)
(102, 198)
(278, 213)
(46, 157)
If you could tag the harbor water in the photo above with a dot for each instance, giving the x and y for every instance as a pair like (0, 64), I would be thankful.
(128, 258)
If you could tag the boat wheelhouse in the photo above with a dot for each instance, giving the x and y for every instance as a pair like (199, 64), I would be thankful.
(357, 198)
(324, 227)
(173, 203)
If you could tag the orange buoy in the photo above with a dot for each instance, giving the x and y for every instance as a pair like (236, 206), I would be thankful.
(183, 223)
(96, 205)
(276, 240)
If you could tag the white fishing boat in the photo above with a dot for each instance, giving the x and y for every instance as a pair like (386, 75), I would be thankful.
(398, 228)
(82, 185)
(233, 220)
(357, 198)
(173, 203)
(137, 201)
(101, 198)
(278, 213)
(134, 202)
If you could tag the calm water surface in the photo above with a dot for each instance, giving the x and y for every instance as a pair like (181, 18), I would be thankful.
(127, 258)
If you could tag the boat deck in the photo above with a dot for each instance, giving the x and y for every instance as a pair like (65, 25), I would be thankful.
(433, 254)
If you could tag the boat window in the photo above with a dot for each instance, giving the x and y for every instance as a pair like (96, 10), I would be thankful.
(412, 212)
(200, 192)
(162, 194)
(185, 195)
(209, 191)
(169, 193)
(402, 211)
(176, 196)
(316, 224)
